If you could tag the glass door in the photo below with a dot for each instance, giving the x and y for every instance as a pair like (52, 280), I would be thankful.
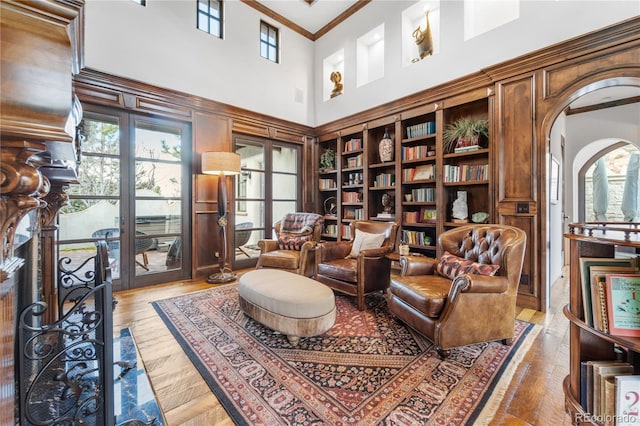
(133, 183)
(267, 188)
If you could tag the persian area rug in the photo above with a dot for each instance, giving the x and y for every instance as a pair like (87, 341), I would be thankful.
(368, 369)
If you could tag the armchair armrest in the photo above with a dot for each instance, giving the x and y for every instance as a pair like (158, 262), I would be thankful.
(333, 250)
(375, 252)
(417, 265)
(471, 283)
(267, 245)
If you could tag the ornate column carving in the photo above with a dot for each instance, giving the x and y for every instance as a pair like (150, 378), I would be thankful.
(22, 187)
(55, 199)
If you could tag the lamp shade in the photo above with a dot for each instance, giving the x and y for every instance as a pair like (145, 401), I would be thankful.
(219, 163)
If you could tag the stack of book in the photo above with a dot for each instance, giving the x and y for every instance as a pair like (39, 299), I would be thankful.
(608, 390)
(611, 294)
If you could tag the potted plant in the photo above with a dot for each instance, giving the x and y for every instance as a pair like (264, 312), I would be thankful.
(464, 133)
(328, 160)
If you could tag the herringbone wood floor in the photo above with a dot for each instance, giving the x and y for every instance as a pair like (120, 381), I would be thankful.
(534, 396)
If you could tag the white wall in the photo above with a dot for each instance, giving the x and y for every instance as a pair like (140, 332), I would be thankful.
(555, 228)
(160, 45)
(541, 24)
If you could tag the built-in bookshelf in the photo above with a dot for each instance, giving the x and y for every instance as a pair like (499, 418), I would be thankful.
(418, 186)
(329, 182)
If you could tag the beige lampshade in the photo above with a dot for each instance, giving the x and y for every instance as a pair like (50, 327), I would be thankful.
(217, 163)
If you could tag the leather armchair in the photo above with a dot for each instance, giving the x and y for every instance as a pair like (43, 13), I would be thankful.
(470, 308)
(299, 260)
(357, 276)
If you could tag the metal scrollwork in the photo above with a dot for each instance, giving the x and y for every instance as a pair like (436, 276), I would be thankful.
(66, 373)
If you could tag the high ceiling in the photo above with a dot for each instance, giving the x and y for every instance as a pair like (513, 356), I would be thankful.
(312, 17)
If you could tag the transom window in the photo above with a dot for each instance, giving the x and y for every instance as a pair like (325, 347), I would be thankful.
(210, 16)
(268, 41)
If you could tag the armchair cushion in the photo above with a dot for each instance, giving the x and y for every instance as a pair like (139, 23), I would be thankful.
(451, 266)
(364, 241)
(428, 297)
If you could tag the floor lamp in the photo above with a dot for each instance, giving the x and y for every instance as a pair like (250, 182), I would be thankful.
(222, 164)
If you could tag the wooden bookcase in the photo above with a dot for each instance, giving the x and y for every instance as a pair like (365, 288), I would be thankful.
(587, 343)
(414, 179)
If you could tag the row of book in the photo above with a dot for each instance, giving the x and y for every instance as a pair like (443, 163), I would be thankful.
(351, 197)
(353, 145)
(611, 294)
(384, 179)
(346, 232)
(609, 392)
(416, 237)
(327, 183)
(416, 152)
(465, 172)
(331, 229)
(423, 194)
(421, 129)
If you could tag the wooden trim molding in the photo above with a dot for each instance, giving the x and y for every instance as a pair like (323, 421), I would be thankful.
(297, 28)
(96, 87)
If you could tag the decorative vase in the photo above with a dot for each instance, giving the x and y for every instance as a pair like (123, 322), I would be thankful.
(385, 148)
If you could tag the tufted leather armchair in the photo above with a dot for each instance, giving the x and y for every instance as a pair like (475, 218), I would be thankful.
(364, 274)
(470, 308)
(300, 261)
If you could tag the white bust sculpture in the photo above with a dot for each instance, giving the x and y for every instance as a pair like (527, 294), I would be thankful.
(460, 210)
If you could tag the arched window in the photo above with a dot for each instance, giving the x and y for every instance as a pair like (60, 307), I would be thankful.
(610, 185)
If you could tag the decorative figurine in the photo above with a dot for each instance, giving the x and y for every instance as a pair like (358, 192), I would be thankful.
(460, 211)
(387, 204)
(424, 40)
(336, 79)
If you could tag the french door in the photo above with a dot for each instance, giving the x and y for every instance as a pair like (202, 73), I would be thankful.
(133, 192)
(267, 188)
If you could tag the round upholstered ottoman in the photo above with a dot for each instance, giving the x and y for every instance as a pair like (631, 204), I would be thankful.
(292, 304)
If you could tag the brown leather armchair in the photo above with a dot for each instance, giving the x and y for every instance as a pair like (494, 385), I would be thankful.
(469, 308)
(293, 251)
(365, 273)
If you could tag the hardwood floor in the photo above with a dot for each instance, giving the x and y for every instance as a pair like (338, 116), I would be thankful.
(534, 396)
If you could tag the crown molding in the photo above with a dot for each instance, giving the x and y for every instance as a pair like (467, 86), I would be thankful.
(297, 28)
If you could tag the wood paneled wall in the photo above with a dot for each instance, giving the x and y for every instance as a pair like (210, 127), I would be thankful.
(527, 94)
(530, 92)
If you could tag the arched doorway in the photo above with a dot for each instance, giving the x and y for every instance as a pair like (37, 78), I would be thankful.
(561, 143)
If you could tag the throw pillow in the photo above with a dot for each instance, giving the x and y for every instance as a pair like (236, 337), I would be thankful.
(365, 240)
(451, 266)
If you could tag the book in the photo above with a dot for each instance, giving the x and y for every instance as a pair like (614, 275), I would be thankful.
(585, 279)
(623, 303)
(609, 401)
(598, 293)
(627, 400)
(467, 148)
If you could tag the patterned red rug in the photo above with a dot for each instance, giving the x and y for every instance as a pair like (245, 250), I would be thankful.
(368, 369)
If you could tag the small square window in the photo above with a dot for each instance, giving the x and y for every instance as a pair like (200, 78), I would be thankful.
(268, 42)
(210, 16)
